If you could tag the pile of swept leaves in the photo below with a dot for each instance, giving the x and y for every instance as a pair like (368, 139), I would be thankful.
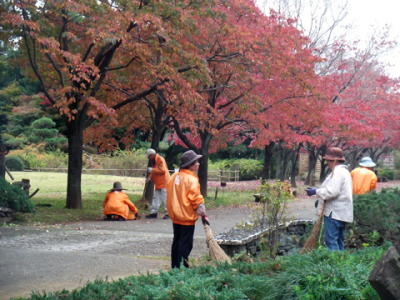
(321, 275)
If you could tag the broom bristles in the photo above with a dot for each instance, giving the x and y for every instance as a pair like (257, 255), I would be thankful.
(216, 251)
(313, 239)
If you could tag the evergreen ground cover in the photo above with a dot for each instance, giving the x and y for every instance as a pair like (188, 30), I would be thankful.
(321, 275)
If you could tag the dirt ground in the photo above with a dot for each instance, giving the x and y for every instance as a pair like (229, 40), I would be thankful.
(67, 256)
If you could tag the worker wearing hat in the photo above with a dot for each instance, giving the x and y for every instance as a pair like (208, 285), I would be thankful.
(185, 204)
(160, 175)
(117, 206)
(364, 179)
(336, 191)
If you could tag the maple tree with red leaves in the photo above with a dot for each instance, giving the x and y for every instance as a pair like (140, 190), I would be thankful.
(93, 58)
(244, 54)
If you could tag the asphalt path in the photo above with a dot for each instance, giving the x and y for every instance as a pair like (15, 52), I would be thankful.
(67, 256)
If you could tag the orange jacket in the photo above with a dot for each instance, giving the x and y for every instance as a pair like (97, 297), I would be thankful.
(160, 174)
(364, 180)
(118, 203)
(183, 197)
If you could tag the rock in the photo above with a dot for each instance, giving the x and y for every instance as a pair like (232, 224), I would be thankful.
(385, 277)
(5, 215)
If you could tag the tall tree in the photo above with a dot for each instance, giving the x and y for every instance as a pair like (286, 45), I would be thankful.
(89, 55)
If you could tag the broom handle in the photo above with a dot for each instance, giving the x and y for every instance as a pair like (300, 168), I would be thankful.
(145, 184)
(323, 204)
(322, 212)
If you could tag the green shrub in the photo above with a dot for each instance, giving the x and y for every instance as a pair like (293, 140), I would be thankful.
(15, 143)
(385, 172)
(14, 163)
(378, 212)
(128, 159)
(249, 168)
(272, 212)
(397, 160)
(55, 159)
(34, 139)
(43, 123)
(43, 133)
(32, 160)
(14, 197)
(321, 275)
(396, 175)
(56, 141)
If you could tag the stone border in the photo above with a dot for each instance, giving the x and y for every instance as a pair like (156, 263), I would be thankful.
(254, 234)
(249, 239)
(6, 215)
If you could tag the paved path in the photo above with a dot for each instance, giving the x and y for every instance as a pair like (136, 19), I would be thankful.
(55, 257)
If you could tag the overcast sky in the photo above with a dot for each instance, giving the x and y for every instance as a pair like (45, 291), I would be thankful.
(365, 15)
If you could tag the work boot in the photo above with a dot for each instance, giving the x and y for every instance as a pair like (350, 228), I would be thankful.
(166, 217)
(151, 216)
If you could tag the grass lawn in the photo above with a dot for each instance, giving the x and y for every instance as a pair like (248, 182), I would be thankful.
(49, 202)
(53, 192)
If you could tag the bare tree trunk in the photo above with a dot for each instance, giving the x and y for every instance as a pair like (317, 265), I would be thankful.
(324, 166)
(312, 162)
(268, 152)
(75, 151)
(283, 157)
(376, 153)
(3, 152)
(294, 161)
(203, 171)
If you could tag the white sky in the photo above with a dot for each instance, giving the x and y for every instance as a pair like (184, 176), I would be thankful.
(368, 13)
(367, 16)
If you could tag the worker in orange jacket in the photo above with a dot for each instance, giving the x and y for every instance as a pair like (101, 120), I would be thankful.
(364, 179)
(185, 204)
(160, 175)
(117, 205)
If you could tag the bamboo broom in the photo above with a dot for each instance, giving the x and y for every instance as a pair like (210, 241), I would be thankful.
(313, 239)
(216, 252)
(143, 203)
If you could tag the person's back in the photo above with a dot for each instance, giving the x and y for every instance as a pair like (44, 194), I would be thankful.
(160, 174)
(117, 202)
(364, 179)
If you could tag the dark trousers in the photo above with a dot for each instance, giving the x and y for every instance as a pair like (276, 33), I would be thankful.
(182, 245)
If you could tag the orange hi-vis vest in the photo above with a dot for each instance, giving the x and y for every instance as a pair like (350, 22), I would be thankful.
(183, 197)
(118, 203)
(364, 180)
(160, 174)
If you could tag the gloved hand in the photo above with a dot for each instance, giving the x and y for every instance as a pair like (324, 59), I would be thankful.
(149, 170)
(205, 220)
(311, 191)
(148, 179)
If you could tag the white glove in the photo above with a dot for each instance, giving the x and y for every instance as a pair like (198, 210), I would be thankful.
(148, 179)
(149, 170)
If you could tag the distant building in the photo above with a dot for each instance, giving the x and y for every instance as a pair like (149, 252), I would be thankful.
(387, 160)
(303, 164)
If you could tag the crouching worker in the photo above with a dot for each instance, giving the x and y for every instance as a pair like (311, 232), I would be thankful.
(117, 205)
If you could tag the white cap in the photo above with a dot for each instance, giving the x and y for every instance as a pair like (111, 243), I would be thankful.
(150, 152)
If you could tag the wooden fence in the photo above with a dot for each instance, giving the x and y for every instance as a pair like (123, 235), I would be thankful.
(213, 175)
